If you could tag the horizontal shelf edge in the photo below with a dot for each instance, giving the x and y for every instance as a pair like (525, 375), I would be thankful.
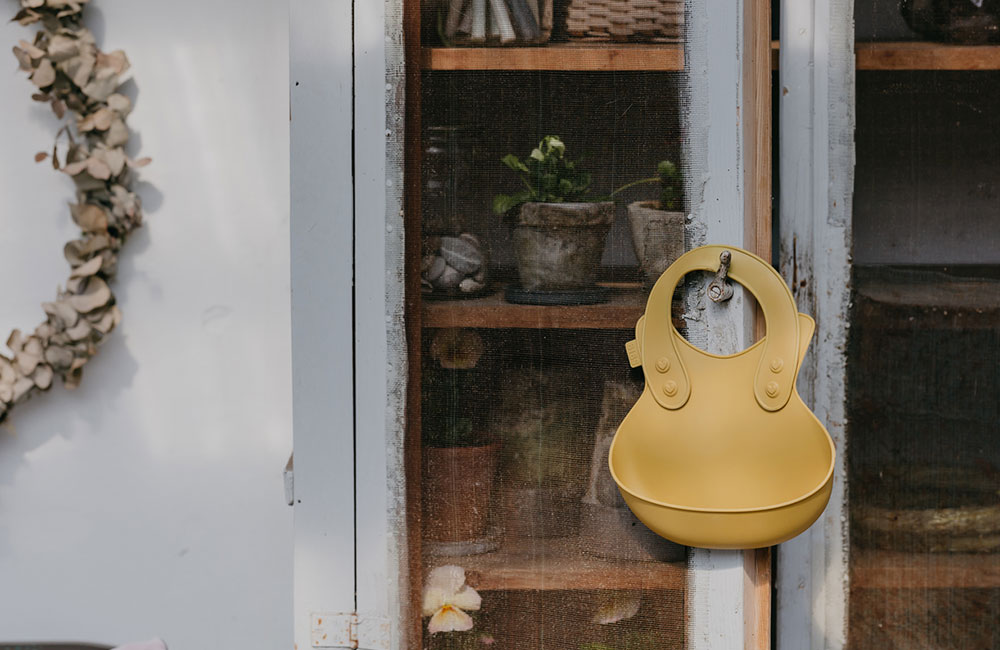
(561, 57)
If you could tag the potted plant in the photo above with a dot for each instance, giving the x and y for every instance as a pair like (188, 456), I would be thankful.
(658, 226)
(459, 458)
(561, 230)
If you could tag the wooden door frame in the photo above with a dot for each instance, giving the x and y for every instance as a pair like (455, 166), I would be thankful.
(816, 158)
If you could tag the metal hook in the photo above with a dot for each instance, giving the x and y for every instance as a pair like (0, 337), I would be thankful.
(719, 289)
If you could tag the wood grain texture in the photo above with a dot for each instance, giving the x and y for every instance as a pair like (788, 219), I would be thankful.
(757, 169)
(558, 564)
(623, 309)
(926, 56)
(896, 570)
(569, 57)
(411, 221)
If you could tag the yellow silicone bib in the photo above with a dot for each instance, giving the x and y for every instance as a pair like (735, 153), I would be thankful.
(720, 451)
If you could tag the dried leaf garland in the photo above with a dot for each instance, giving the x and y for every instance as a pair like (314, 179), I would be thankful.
(72, 74)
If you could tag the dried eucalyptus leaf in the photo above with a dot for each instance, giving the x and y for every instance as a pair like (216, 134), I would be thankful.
(58, 357)
(88, 268)
(59, 108)
(26, 17)
(22, 387)
(103, 82)
(31, 4)
(33, 51)
(41, 97)
(6, 395)
(41, 155)
(42, 376)
(7, 373)
(98, 168)
(79, 68)
(113, 158)
(107, 321)
(117, 134)
(142, 162)
(62, 313)
(23, 59)
(72, 378)
(115, 61)
(14, 341)
(97, 294)
(80, 331)
(62, 47)
(44, 74)
(119, 103)
(44, 331)
(75, 168)
(26, 362)
(90, 217)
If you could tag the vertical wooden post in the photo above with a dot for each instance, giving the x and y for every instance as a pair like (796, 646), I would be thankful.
(411, 208)
(757, 239)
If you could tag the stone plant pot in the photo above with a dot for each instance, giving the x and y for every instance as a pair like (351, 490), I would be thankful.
(658, 237)
(559, 245)
(457, 489)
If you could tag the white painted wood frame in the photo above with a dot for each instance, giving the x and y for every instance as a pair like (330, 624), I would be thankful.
(350, 365)
(816, 145)
(717, 157)
(322, 213)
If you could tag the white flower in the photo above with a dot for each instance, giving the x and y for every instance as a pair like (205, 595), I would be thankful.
(446, 597)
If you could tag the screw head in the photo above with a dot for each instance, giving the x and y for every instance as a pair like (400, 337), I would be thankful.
(771, 389)
(670, 388)
(663, 364)
(777, 364)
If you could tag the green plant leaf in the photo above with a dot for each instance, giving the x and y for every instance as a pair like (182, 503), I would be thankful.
(514, 163)
(537, 154)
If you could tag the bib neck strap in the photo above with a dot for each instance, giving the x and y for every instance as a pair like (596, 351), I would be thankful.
(661, 362)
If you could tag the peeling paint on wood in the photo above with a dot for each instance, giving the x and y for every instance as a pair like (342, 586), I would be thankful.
(817, 168)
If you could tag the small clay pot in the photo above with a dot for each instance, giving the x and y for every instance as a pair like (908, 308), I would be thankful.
(457, 487)
(658, 238)
(559, 245)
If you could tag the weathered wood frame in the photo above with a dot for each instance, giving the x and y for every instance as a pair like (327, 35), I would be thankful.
(816, 157)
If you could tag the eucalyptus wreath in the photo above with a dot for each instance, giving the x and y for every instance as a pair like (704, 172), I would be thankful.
(80, 81)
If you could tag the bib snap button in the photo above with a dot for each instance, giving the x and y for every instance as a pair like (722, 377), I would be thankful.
(772, 389)
(670, 388)
(663, 364)
(777, 364)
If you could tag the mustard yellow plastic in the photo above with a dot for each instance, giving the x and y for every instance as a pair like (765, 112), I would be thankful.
(720, 451)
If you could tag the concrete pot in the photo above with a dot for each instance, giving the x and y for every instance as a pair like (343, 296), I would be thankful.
(559, 245)
(658, 238)
(457, 487)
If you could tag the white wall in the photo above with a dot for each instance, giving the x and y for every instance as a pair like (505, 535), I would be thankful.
(149, 501)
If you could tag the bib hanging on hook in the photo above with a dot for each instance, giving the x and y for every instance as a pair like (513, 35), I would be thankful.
(754, 472)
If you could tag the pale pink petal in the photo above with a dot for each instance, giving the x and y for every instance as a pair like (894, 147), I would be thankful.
(448, 578)
(449, 619)
(466, 598)
(434, 599)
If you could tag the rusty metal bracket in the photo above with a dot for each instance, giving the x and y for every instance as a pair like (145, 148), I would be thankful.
(719, 289)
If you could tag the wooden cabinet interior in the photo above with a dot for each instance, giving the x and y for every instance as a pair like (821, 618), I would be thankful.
(622, 124)
(923, 374)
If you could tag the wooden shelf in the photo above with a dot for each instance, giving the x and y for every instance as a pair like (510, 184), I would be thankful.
(585, 57)
(918, 55)
(626, 304)
(558, 564)
(926, 56)
(896, 570)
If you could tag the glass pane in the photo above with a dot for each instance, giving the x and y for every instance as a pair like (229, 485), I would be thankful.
(924, 357)
(531, 114)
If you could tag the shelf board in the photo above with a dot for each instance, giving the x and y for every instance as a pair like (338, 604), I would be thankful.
(558, 564)
(626, 304)
(896, 570)
(585, 57)
(926, 56)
